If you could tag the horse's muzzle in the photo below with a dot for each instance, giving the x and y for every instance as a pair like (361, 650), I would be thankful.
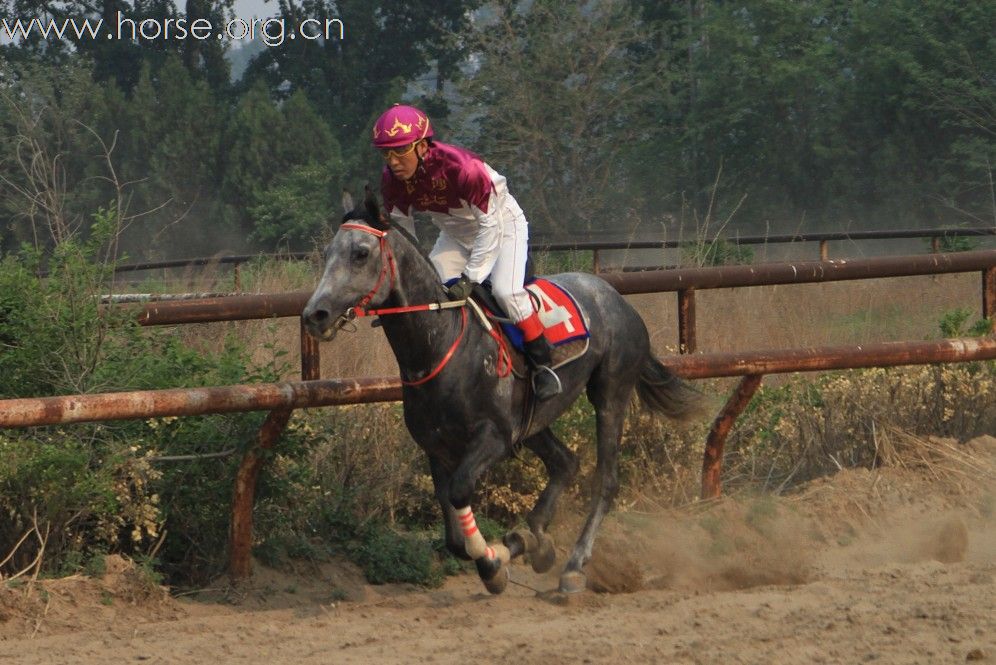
(319, 323)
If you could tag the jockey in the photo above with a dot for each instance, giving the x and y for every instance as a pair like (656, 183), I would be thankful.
(482, 231)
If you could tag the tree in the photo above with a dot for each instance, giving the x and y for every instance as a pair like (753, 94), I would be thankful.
(766, 106)
(557, 100)
(50, 180)
(282, 167)
(825, 111)
(297, 205)
(206, 57)
(922, 106)
(350, 80)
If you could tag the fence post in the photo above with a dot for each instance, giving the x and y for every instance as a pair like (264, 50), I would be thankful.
(311, 359)
(824, 250)
(712, 459)
(595, 263)
(686, 320)
(240, 528)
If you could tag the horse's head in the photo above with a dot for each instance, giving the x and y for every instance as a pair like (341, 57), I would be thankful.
(359, 271)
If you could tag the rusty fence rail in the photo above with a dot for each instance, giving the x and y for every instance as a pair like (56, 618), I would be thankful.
(752, 366)
(597, 245)
(684, 281)
(281, 399)
(31, 411)
(687, 281)
(824, 239)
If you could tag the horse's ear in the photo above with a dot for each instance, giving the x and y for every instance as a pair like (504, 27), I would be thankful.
(347, 202)
(375, 216)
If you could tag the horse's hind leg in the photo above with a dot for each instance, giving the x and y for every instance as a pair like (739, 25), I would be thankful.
(609, 415)
(561, 467)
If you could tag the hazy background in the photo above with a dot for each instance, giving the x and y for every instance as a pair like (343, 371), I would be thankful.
(246, 8)
(619, 118)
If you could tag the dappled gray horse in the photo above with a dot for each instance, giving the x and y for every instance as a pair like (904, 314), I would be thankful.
(467, 414)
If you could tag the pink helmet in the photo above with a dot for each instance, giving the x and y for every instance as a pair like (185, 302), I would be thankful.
(401, 125)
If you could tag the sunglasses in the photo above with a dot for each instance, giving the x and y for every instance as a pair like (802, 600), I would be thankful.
(390, 153)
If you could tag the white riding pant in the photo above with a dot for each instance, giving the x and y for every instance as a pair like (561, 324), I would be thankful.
(450, 257)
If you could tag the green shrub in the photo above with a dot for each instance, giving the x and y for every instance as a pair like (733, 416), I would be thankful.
(294, 209)
(955, 324)
(91, 489)
(551, 263)
(386, 556)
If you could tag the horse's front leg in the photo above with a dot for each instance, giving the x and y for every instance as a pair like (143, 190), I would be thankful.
(487, 447)
(441, 485)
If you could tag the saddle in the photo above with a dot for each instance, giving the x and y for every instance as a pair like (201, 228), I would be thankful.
(565, 324)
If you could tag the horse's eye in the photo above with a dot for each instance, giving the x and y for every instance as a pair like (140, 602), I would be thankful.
(360, 253)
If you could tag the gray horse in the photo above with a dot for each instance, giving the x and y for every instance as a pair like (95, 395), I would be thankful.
(466, 415)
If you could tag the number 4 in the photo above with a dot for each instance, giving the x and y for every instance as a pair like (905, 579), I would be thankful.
(551, 313)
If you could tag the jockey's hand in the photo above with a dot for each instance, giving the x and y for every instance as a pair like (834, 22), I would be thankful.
(461, 289)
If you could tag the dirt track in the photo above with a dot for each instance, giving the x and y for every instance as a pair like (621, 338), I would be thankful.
(887, 566)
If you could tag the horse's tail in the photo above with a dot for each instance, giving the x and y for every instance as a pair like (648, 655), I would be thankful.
(665, 392)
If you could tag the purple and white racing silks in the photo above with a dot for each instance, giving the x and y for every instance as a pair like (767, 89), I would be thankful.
(483, 231)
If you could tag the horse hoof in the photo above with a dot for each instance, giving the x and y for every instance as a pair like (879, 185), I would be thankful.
(519, 542)
(543, 556)
(493, 574)
(497, 584)
(573, 582)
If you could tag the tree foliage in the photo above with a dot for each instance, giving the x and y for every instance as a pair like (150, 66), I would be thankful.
(792, 113)
(832, 110)
(349, 81)
(560, 93)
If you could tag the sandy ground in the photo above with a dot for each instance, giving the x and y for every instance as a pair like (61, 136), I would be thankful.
(884, 566)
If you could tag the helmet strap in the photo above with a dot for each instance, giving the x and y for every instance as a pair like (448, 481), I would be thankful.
(421, 164)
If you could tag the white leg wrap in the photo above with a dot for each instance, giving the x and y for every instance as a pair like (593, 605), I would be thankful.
(472, 539)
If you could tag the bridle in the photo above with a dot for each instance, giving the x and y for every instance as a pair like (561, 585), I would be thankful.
(387, 268)
(388, 271)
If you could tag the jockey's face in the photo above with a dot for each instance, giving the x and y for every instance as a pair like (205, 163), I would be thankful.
(403, 161)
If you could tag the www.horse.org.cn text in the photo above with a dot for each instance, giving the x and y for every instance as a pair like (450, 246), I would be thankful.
(273, 31)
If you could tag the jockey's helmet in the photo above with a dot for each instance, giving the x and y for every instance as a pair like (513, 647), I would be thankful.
(401, 125)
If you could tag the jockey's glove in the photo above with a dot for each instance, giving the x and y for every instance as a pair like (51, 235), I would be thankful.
(460, 289)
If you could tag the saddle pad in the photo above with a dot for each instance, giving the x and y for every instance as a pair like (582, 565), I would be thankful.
(558, 312)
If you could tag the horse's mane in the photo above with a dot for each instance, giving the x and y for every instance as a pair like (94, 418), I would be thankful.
(370, 212)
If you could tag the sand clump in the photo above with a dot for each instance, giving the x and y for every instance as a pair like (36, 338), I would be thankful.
(123, 591)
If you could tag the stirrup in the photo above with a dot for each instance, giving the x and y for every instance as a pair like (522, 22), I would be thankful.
(542, 388)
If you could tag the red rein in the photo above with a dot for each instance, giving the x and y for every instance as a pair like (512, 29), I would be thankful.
(387, 270)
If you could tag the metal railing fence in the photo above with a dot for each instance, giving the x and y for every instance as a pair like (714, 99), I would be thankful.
(282, 398)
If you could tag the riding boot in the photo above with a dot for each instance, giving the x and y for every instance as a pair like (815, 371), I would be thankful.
(546, 383)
